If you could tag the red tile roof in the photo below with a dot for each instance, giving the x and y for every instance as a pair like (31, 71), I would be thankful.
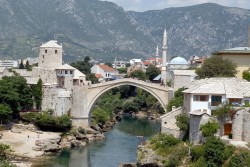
(106, 68)
(146, 63)
(98, 76)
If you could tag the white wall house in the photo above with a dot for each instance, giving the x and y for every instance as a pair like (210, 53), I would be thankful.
(181, 78)
(207, 94)
(104, 70)
(9, 63)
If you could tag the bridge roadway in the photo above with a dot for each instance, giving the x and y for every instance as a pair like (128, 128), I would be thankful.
(86, 96)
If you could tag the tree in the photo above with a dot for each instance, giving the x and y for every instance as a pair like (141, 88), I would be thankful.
(182, 122)
(246, 75)
(209, 129)
(83, 66)
(27, 66)
(5, 112)
(222, 113)
(91, 77)
(109, 64)
(215, 66)
(139, 74)
(38, 93)
(122, 70)
(177, 101)
(16, 93)
(21, 66)
(152, 72)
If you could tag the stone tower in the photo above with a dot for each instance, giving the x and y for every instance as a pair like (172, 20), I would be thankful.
(50, 55)
(164, 58)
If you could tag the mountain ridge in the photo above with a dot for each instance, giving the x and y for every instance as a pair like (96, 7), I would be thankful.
(103, 30)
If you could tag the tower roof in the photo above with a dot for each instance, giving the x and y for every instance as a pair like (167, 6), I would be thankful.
(51, 44)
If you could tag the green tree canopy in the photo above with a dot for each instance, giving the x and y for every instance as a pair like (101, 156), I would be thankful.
(37, 93)
(91, 77)
(209, 129)
(139, 74)
(5, 112)
(152, 72)
(246, 75)
(15, 92)
(21, 65)
(215, 66)
(83, 66)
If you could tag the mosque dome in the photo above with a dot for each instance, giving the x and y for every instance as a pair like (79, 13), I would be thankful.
(179, 60)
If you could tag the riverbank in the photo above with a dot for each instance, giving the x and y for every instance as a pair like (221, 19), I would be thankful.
(27, 143)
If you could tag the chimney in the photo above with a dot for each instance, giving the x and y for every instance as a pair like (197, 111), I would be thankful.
(248, 39)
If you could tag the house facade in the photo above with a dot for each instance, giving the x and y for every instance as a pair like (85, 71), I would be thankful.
(207, 94)
(105, 71)
(240, 56)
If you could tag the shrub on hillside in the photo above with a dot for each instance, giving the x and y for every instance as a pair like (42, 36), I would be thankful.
(209, 129)
(100, 115)
(48, 122)
(240, 159)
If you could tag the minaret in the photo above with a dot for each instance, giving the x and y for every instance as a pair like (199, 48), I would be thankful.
(157, 56)
(164, 59)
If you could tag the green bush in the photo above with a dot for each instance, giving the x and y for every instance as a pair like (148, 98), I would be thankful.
(29, 117)
(162, 143)
(176, 155)
(6, 163)
(100, 115)
(130, 106)
(240, 159)
(214, 151)
(197, 152)
(210, 128)
(47, 122)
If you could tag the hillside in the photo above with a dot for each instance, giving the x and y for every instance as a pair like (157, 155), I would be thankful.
(85, 27)
(197, 30)
(103, 30)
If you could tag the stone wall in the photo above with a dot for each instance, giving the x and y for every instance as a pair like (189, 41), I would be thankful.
(57, 99)
(241, 125)
(47, 75)
(195, 135)
(168, 125)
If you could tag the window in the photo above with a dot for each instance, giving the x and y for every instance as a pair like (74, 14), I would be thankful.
(216, 100)
(43, 56)
(235, 101)
(71, 72)
(46, 51)
(81, 81)
(200, 97)
(55, 51)
(66, 71)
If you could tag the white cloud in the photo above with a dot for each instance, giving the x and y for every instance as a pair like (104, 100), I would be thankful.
(142, 5)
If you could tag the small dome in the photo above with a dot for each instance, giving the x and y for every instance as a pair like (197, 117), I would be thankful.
(179, 60)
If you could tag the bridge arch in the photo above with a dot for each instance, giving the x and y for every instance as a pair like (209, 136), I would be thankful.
(88, 96)
(93, 101)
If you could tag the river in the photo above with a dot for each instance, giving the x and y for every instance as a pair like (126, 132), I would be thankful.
(120, 146)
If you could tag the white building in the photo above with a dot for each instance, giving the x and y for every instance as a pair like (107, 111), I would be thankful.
(104, 70)
(9, 63)
(59, 81)
(136, 62)
(181, 78)
(4, 72)
(207, 94)
(119, 64)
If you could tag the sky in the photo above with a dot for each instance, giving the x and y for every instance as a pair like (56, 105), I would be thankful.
(143, 5)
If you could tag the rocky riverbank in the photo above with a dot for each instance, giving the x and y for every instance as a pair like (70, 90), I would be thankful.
(27, 142)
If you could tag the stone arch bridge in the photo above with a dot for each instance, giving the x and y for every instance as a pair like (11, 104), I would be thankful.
(86, 96)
